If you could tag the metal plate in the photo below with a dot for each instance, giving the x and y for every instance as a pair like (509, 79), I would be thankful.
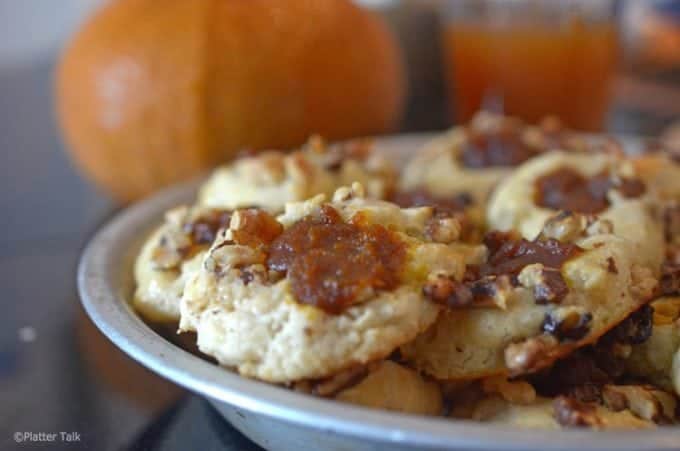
(277, 418)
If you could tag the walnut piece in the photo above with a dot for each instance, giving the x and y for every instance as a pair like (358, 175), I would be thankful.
(531, 354)
(547, 284)
(345, 193)
(565, 226)
(489, 291)
(226, 255)
(185, 231)
(253, 227)
(643, 401)
(444, 228)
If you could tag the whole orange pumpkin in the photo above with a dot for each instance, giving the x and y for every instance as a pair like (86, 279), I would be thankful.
(151, 92)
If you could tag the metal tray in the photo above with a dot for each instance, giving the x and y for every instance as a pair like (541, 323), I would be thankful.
(277, 418)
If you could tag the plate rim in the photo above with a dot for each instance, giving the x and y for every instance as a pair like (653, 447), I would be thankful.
(99, 286)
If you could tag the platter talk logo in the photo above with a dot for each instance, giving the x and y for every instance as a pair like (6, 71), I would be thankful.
(49, 437)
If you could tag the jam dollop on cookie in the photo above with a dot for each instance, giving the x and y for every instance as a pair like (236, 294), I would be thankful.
(331, 262)
(567, 189)
(503, 146)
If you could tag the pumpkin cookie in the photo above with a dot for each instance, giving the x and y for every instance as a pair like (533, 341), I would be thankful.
(527, 303)
(170, 255)
(322, 288)
(472, 159)
(595, 184)
(374, 385)
(272, 178)
(614, 407)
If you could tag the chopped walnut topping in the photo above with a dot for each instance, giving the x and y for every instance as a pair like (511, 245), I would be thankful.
(444, 228)
(531, 354)
(565, 226)
(571, 412)
(494, 289)
(547, 283)
(227, 255)
(485, 292)
(567, 323)
(203, 229)
(343, 194)
(509, 254)
(187, 230)
(644, 401)
(449, 222)
(533, 264)
(511, 260)
(254, 227)
(447, 291)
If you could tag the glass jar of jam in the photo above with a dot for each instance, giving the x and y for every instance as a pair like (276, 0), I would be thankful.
(531, 58)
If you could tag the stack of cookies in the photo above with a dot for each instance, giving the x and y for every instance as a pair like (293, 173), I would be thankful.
(508, 273)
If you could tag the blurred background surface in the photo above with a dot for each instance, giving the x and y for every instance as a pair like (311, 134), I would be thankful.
(57, 373)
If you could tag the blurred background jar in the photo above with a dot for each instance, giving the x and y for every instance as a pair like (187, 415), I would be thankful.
(648, 89)
(531, 58)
